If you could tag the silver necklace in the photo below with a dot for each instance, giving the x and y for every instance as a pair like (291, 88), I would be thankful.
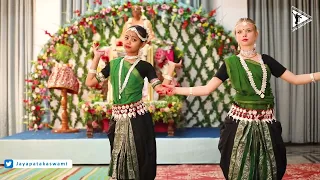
(248, 53)
(131, 57)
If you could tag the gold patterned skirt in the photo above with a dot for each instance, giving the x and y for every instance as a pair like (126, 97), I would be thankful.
(132, 141)
(251, 145)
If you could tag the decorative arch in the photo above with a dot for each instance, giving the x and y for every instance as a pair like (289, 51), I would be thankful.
(205, 44)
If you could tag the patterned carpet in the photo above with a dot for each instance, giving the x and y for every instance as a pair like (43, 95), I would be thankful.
(173, 172)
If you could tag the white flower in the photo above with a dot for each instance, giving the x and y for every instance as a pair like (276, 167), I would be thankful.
(83, 106)
(175, 10)
(26, 116)
(215, 54)
(33, 108)
(75, 23)
(35, 76)
(166, 109)
(195, 19)
(72, 62)
(126, 9)
(86, 109)
(34, 118)
(37, 90)
(209, 65)
(204, 74)
(85, 42)
(228, 41)
(40, 67)
(199, 24)
(80, 72)
(223, 37)
(34, 95)
(164, 17)
(155, 6)
(96, 37)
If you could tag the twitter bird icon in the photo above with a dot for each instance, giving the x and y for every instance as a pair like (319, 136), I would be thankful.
(8, 163)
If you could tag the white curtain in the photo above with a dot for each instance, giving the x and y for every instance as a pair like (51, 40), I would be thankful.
(16, 47)
(298, 107)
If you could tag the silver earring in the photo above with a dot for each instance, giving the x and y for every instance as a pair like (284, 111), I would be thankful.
(255, 45)
(239, 48)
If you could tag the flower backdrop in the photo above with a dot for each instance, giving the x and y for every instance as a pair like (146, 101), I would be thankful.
(203, 42)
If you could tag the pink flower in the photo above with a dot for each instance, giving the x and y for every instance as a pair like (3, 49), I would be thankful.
(163, 6)
(194, 19)
(203, 20)
(43, 90)
(149, 8)
(95, 124)
(160, 55)
(180, 11)
(108, 10)
(201, 29)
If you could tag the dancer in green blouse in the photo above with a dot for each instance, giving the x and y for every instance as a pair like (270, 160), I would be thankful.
(251, 145)
(131, 132)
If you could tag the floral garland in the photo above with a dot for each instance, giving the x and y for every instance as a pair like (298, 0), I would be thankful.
(87, 25)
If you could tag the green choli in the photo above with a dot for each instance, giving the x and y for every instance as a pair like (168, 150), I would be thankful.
(245, 95)
(133, 91)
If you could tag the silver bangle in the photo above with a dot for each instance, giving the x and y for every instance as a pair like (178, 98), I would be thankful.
(190, 92)
(312, 78)
(92, 71)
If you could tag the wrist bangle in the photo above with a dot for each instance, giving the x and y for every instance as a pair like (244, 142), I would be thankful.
(167, 77)
(190, 92)
(92, 71)
(312, 78)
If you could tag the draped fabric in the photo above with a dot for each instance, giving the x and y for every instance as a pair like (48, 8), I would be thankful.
(16, 48)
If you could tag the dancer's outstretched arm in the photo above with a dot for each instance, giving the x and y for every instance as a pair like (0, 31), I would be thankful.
(213, 84)
(301, 78)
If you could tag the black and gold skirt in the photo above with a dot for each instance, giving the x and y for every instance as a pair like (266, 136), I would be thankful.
(251, 145)
(132, 140)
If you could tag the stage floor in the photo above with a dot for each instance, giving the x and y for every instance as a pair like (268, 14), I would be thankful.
(188, 146)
